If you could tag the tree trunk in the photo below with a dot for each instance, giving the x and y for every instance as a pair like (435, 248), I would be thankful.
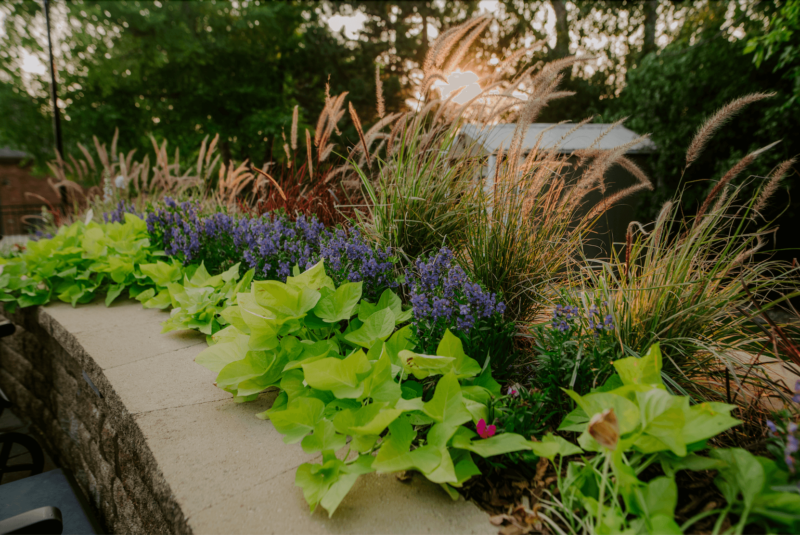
(425, 38)
(650, 18)
(561, 49)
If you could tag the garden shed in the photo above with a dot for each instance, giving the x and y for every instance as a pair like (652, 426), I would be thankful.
(487, 140)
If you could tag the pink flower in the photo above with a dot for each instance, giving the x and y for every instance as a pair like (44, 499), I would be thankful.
(486, 431)
(512, 391)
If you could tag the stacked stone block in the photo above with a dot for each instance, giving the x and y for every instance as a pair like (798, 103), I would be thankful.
(54, 383)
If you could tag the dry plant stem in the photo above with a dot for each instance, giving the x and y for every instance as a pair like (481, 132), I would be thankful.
(399, 125)
(608, 202)
(733, 172)
(379, 92)
(605, 132)
(269, 177)
(323, 117)
(444, 45)
(772, 185)
(500, 70)
(308, 155)
(295, 117)
(287, 150)
(458, 55)
(594, 176)
(628, 246)
(360, 131)
(715, 122)
(529, 112)
(679, 291)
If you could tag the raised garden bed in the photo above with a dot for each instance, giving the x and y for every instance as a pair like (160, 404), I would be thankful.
(157, 448)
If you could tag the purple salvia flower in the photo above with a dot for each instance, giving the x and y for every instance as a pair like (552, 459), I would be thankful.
(772, 427)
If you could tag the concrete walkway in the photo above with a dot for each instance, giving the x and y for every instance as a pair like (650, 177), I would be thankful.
(228, 471)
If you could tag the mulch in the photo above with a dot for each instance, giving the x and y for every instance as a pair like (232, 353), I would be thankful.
(511, 496)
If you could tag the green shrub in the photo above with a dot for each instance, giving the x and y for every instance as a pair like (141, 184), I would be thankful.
(80, 262)
(575, 352)
(443, 298)
(632, 423)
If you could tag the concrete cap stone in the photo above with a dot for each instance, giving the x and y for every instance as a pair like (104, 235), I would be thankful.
(228, 471)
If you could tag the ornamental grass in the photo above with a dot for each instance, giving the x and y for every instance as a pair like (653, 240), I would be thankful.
(697, 285)
(420, 200)
(533, 222)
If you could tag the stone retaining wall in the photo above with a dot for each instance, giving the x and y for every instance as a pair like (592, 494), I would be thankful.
(157, 448)
(49, 377)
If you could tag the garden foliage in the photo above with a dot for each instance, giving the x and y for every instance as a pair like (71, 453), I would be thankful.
(82, 261)
(385, 357)
(684, 282)
(346, 369)
(443, 297)
(270, 245)
(784, 441)
(575, 351)
(633, 422)
(198, 299)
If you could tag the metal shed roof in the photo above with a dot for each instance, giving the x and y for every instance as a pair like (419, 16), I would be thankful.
(11, 154)
(492, 137)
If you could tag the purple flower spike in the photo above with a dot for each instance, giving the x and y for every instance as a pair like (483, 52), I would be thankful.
(443, 297)
(772, 427)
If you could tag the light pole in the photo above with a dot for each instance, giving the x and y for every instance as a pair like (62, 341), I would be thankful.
(54, 92)
(53, 85)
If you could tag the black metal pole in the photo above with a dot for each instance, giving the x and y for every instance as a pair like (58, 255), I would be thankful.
(54, 92)
(53, 85)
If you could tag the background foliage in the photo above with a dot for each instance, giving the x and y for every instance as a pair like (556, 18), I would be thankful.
(674, 90)
(182, 70)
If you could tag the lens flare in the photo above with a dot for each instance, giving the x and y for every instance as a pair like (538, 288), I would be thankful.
(467, 80)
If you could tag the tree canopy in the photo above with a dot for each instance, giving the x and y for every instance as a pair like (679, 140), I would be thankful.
(183, 70)
(178, 70)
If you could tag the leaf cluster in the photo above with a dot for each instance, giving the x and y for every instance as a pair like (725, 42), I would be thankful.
(86, 260)
(575, 352)
(349, 386)
(653, 426)
(80, 262)
(198, 299)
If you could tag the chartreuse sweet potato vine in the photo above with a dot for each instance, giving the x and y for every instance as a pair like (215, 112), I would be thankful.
(196, 300)
(82, 261)
(632, 422)
(88, 259)
(349, 386)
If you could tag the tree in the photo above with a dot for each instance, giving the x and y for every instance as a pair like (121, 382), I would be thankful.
(779, 41)
(25, 125)
(183, 70)
(672, 92)
(397, 36)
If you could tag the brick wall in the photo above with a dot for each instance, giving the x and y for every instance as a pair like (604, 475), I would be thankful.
(90, 433)
(15, 181)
